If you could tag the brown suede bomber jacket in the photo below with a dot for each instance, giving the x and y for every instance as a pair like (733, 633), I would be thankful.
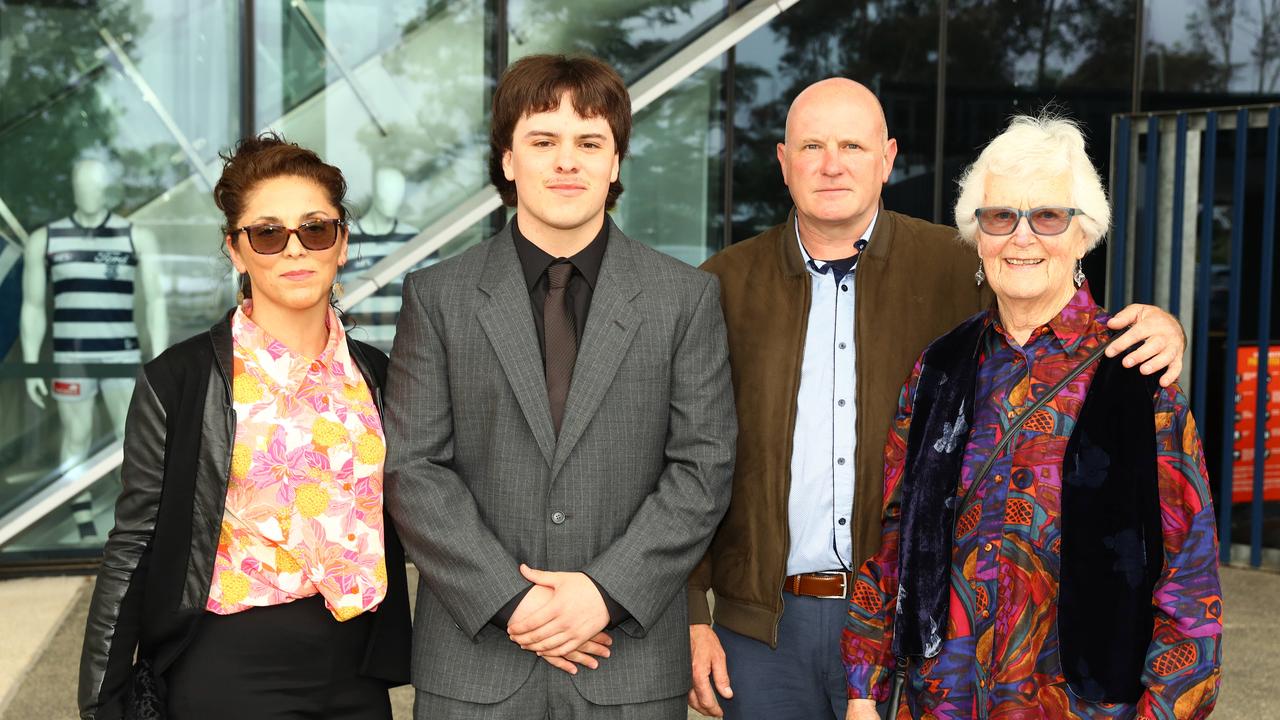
(914, 282)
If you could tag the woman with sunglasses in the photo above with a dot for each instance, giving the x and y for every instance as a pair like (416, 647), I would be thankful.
(1048, 545)
(251, 570)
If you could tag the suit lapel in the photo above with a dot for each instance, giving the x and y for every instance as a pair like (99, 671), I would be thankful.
(611, 325)
(508, 321)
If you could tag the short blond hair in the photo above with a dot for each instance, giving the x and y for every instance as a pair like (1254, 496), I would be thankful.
(1044, 145)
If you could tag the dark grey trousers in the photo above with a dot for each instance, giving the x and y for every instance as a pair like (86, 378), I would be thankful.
(549, 694)
(803, 679)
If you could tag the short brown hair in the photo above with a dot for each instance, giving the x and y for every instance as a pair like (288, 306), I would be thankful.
(534, 84)
(267, 156)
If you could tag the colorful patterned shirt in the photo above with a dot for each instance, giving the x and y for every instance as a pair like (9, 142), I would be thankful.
(999, 657)
(304, 500)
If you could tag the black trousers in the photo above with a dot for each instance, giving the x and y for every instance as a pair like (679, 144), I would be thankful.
(284, 662)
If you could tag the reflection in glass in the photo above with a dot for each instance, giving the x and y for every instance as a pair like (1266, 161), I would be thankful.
(631, 35)
(1021, 57)
(672, 200)
(1212, 47)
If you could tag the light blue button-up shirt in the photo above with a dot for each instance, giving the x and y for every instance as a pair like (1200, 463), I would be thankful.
(821, 501)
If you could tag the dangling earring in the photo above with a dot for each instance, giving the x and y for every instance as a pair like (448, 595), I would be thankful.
(337, 290)
(980, 276)
(1079, 276)
(241, 293)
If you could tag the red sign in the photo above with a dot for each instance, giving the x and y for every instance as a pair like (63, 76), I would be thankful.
(1246, 427)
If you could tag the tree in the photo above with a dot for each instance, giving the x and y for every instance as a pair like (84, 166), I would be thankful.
(1264, 26)
(53, 110)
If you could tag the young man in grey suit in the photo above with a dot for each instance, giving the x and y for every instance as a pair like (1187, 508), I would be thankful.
(561, 431)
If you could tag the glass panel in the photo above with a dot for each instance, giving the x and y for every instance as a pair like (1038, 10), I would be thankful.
(395, 96)
(408, 128)
(674, 199)
(113, 113)
(632, 35)
(890, 47)
(1211, 53)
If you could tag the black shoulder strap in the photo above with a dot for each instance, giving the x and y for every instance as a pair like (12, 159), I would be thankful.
(1017, 423)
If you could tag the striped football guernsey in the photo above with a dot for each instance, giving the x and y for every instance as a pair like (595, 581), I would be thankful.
(92, 271)
(375, 316)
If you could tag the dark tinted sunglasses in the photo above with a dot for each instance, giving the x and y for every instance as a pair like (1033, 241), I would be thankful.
(1044, 220)
(272, 239)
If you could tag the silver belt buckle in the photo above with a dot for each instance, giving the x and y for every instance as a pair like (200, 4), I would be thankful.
(844, 586)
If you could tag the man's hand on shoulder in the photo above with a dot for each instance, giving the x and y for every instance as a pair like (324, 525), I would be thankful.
(574, 615)
(1163, 341)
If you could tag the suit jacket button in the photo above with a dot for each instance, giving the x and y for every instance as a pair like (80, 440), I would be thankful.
(557, 517)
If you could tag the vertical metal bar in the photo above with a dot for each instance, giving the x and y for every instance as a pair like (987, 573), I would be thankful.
(1139, 53)
(940, 112)
(1144, 265)
(1120, 224)
(1204, 253)
(1179, 192)
(729, 111)
(498, 34)
(1264, 335)
(501, 37)
(248, 71)
(1233, 330)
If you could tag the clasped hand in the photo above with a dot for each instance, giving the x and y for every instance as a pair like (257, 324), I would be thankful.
(561, 619)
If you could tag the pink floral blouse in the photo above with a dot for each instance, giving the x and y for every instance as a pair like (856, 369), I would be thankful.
(304, 500)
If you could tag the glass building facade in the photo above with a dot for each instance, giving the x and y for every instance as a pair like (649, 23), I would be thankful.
(397, 95)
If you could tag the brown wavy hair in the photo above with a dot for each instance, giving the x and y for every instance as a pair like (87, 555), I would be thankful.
(267, 156)
(254, 160)
(534, 84)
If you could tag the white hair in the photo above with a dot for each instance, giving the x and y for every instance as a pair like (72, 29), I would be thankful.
(1047, 145)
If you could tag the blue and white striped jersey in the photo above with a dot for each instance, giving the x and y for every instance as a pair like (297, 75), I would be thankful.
(92, 271)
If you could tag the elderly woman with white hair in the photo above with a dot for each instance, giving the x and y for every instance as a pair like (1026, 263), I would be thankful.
(1048, 541)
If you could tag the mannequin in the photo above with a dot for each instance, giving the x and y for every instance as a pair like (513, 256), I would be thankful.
(93, 261)
(373, 237)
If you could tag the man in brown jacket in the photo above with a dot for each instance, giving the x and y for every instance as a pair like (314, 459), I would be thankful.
(818, 361)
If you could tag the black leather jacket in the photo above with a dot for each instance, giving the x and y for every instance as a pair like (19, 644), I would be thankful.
(158, 560)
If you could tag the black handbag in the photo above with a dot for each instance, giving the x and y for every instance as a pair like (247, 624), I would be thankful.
(144, 700)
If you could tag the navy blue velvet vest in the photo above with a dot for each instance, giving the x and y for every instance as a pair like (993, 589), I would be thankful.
(1112, 549)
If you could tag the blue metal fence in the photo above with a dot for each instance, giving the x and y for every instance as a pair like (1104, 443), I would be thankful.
(1159, 159)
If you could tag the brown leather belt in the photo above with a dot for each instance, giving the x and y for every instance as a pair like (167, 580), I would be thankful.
(820, 585)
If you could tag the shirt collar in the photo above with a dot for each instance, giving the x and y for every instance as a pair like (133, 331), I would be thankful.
(808, 259)
(534, 260)
(1070, 326)
(818, 267)
(281, 360)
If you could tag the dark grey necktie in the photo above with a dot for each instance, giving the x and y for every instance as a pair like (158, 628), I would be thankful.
(560, 338)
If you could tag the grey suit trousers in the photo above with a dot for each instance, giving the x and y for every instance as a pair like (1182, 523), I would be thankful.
(548, 695)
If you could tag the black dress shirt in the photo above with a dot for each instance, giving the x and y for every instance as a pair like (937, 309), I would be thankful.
(582, 283)
(534, 262)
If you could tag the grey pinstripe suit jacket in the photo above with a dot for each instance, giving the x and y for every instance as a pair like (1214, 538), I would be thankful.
(474, 473)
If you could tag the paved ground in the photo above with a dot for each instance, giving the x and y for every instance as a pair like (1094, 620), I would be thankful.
(42, 620)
